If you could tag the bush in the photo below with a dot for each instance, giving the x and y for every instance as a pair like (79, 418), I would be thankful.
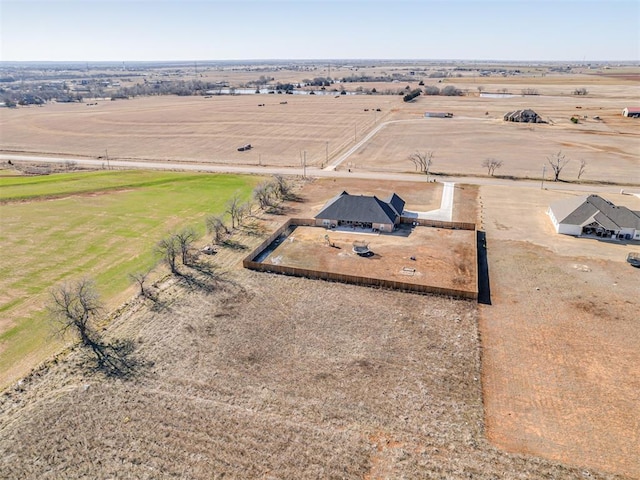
(451, 91)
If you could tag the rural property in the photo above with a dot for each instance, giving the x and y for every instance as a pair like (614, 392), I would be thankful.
(440, 325)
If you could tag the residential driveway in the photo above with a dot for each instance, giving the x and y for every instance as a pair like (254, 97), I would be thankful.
(444, 213)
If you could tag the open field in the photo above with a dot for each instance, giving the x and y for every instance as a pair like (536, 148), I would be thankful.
(103, 225)
(264, 376)
(561, 367)
(198, 129)
(209, 130)
(253, 375)
(441, 257)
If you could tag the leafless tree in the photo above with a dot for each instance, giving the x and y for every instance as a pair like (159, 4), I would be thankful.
(168, 248)
(264, 194)
(480, 88)
(140, 278)
(583, 167)
(234, 209)
(422, 161)
(75, 307)
(185, 239)
(557, 161)
(281, 187)
(215, 225)
(491, 164)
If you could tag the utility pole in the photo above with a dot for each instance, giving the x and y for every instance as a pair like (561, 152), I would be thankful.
(544, 168)
(304, 165)
(355, 132)
(327, 153)
(106, 154)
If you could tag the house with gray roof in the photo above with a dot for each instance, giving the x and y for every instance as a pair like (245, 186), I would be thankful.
(526, 116)
(593, 215)
(361, 211)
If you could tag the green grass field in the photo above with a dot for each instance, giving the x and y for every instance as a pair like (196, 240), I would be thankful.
(102, 225)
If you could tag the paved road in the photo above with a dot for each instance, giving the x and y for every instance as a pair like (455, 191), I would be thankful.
(316, 172)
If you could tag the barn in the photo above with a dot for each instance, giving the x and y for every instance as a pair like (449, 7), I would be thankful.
(631, 112)
(594, 216)
(361, 211)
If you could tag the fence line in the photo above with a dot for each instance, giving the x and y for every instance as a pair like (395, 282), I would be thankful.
(250, 263)
(425, 222)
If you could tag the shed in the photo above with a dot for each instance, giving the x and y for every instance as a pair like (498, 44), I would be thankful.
(631, 112)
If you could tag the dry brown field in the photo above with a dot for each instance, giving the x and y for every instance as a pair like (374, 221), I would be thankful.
(560, 363)
(197, 129)
(209, 130)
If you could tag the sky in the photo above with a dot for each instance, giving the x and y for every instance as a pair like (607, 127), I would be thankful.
(164, 30)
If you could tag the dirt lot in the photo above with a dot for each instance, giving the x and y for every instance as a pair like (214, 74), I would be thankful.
(560, 359)
(442, 258)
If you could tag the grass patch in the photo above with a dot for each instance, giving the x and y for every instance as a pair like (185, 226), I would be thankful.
(66, 230)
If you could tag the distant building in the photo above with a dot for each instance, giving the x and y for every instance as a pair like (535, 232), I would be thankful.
(361, 211)
(631, 112)
(438, 114)
(593, 215)
(526, 116)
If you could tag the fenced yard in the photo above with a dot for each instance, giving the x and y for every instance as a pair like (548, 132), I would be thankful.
(414, 258)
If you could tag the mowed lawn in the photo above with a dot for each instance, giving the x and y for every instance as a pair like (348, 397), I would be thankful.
(102, 225)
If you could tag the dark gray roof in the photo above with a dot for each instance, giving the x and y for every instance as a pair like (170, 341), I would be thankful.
(396, 202)
(607, 214)
(362, 208)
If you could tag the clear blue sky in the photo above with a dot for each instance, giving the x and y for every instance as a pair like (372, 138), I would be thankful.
(115, 30)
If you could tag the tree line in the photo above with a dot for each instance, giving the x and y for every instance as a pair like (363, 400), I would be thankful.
(75, 307)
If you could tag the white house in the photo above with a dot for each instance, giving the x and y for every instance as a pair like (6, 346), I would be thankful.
(593, 215)
(631, 112)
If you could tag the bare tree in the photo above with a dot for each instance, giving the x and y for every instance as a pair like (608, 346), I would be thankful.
(583, 167)
(185, 239)
(75, 307)
(491, 164)
(140, 278)
(422, 161)
(234, 209)
(168, 248)
(281, 187)
(264, 194)
(216, 226)
(480, 88)
(557, 161)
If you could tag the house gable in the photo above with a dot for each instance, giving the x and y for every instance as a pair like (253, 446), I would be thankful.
(363, 209)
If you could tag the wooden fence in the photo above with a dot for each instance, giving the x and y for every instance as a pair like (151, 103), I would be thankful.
(250, 263)
(425, 222)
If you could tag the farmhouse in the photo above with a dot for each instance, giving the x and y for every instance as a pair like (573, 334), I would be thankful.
(631, 112)
(593, 215)
(526, 116)
(361, 211)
